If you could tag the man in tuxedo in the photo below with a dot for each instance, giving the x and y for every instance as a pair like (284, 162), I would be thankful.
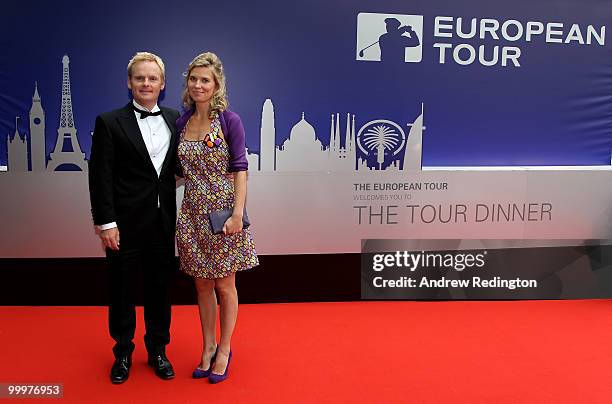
(133, 200)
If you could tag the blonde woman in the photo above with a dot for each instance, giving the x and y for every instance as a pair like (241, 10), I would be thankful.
(212, 157)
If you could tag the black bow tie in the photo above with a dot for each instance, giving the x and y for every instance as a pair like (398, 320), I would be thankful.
(144, 114)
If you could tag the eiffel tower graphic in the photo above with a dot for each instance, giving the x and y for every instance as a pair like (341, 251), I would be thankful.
(67, 149)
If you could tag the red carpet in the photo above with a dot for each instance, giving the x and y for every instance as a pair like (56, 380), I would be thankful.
(369, 352)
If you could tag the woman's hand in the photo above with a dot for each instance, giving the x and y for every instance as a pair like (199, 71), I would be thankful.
(232, 225)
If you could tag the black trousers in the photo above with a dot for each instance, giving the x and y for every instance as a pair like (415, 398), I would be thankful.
(150, 261)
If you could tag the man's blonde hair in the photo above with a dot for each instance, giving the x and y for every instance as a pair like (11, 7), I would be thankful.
(146, 56)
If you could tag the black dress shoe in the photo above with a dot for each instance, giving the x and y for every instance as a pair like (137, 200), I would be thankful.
(121, 369)
(162, 366)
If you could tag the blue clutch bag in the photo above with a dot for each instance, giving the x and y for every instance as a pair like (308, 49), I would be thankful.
(218, 218)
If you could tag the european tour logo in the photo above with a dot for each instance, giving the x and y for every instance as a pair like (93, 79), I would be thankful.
(389, 38)
(488, 42)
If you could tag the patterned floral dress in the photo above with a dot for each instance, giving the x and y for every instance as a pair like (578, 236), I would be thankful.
(209, 187)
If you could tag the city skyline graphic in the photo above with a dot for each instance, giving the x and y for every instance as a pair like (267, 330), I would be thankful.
(26, 156)
(302, 151)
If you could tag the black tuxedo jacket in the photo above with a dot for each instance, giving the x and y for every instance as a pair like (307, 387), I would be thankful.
(123, 184)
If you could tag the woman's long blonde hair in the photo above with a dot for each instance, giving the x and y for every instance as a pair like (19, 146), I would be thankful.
(218, 101)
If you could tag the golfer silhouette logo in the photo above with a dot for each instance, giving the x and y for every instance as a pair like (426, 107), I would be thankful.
(392, 38)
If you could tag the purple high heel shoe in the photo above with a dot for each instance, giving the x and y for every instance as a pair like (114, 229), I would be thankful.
(215, 378)
(201, 374)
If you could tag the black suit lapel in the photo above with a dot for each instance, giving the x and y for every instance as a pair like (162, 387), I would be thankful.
(128, 123)
(172, 147)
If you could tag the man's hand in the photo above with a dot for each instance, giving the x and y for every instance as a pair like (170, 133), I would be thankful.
(110, 238)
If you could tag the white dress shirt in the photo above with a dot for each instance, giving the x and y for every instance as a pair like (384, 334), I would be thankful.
(156, 136)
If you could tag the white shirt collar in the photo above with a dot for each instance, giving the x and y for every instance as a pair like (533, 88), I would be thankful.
(137, 105)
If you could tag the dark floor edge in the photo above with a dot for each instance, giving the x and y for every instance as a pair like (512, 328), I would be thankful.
(278, 279)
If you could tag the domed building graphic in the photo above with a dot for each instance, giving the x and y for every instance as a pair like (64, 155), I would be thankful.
(303, 151)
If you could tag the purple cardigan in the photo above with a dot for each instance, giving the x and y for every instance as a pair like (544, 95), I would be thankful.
(233, 131)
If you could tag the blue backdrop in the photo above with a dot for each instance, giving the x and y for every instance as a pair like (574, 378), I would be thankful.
(555, 109)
